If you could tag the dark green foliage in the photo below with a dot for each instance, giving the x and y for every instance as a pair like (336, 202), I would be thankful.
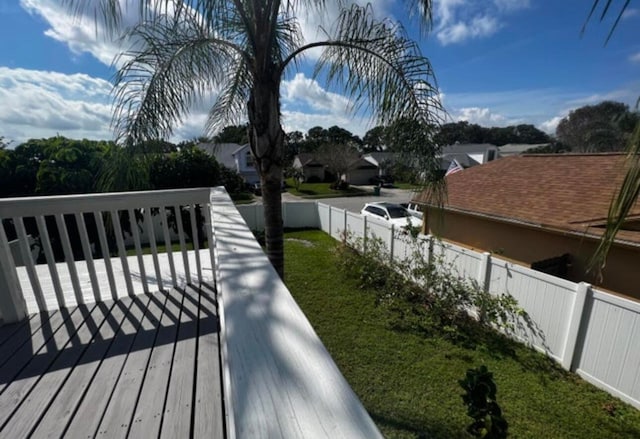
(604, 127)
(427, 293)
(233, 134)
(482, 407)
(465, 132)
(189, 167)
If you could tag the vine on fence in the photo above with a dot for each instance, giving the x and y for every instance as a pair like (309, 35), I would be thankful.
(425, 290)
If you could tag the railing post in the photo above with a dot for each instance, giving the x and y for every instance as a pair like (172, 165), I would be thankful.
(575, 321)
(13, 307)
(484, 271)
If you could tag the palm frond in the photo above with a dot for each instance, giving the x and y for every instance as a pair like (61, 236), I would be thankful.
(381, 70)
(173, 62)
(621, 204)
(603, 15)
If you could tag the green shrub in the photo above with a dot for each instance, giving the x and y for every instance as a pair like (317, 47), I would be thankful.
(424, 290)
(482, 407)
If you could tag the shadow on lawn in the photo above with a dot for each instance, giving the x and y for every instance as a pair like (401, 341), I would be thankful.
(419, 428)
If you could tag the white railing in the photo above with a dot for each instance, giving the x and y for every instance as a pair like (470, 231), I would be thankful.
(591, 332)
(84, 248)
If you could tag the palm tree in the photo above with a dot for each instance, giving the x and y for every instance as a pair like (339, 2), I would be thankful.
(628, 194)
(242, 49)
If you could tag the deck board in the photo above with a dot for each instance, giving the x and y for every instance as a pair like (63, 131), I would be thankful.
(178, 407)
(116, 369)
(67, 400)
(45, 390)
(208, 383)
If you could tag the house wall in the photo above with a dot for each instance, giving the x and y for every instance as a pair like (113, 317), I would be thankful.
(362, 176)
(314, 171)
(527, 245)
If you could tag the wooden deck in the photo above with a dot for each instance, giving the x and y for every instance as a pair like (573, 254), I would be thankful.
(141, 366)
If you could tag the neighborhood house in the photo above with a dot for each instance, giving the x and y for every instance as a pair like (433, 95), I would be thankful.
(543, 211)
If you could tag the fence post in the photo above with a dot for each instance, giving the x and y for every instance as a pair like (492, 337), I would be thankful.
(575, 320)
(391, 242)
(330, 227)
(13, 307)
(345, 222)
(484, 271)
(364, 232)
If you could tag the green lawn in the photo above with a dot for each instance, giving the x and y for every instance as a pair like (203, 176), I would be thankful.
(321, 190)
(409, 382)
(408, 186)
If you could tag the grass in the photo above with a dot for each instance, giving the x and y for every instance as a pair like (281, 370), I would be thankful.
(321, 190)
(408, 186)
(409, 382)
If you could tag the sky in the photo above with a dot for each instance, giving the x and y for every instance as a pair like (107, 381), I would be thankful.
(497, 63)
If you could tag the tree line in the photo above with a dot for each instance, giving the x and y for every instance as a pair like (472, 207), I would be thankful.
(59, 166)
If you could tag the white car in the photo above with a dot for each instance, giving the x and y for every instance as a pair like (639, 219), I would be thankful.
(392, 213)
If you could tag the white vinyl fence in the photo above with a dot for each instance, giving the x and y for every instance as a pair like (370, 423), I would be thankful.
(593, 333)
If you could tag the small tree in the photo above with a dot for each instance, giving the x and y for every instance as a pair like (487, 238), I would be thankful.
(338, 158)
(482, 407)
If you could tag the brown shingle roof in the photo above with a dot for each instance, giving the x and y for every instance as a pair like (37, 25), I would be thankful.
(565, 191)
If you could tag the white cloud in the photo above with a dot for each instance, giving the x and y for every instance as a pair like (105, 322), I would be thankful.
(484, 117)
(460, 20)
(307, 91)
(43, 104)
(549, 126)
(635, 58)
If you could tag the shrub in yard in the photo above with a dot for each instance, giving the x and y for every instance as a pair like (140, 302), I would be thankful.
(482, 407)
(423, 289)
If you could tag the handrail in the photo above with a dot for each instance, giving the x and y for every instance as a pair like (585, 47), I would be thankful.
(85, 255)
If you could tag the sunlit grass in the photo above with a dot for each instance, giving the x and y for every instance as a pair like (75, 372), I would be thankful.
(409, 382)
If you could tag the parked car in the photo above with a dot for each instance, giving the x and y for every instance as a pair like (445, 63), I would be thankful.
(392, 213)
(414, 209)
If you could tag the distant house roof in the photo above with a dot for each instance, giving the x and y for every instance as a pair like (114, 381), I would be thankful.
(568, 192)
(467, 148)
(518, 148)
(380, 157)
(465, 160)
(308, 159)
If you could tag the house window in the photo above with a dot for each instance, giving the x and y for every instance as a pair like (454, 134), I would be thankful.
(249, 160)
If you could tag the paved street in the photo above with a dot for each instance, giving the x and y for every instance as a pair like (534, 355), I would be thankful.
(355, 204)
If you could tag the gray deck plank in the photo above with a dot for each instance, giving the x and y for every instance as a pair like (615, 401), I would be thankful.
(177, 414)
(28, 334)
(45, 390)
(68, 399)
(87, 418)
(208, 415)
(117, 418)
(149, 410)
(15, 392)
(7, 330)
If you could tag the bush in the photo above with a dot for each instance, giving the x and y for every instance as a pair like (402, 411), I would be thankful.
(482, 407)
(426, 293)
(339, 185)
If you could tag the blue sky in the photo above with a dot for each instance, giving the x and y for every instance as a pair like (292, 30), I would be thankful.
(497, 62)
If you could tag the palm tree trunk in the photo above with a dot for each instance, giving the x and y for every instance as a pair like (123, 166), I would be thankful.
(266, 138)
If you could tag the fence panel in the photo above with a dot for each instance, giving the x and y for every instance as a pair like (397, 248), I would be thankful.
(609, 356)
(355, 225)
(548, 300)
(297, 215)
(337, 222)
(465, 262)
(324, 217)
(379, 229)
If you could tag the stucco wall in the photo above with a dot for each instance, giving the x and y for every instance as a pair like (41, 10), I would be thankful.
(526, 245)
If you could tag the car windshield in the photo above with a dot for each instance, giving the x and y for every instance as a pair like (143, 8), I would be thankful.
(397, 212)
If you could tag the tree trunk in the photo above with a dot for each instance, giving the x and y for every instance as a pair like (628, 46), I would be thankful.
(266, 138)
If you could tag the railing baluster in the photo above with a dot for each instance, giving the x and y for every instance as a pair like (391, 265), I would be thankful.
(23, 242)
(196, 244)
(167, 243)
(106, 255)
(136, 240)
(183, 246)
(209, 227)
(88, 256)
(68, 256)
(12, 305)
(51, 260)
(117, 231)
(152, 243)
